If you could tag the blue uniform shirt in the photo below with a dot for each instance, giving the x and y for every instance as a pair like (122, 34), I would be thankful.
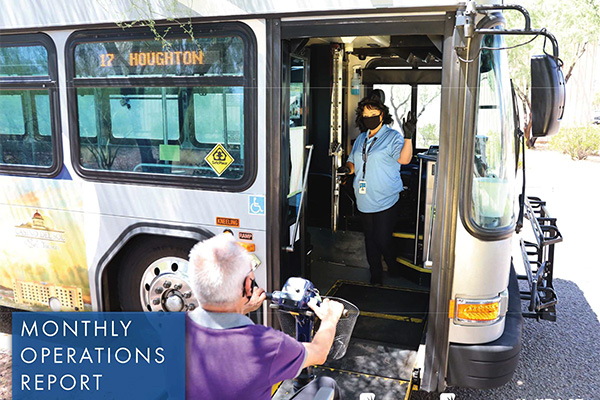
(384, 183)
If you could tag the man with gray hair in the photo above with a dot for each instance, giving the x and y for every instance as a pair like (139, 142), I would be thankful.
(227, 356)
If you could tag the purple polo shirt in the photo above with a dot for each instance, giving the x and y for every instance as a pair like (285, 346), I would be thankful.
(228, 357)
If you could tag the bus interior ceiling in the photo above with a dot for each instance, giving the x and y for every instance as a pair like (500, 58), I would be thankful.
(393, 316)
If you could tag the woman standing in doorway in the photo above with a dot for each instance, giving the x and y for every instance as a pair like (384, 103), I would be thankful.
(375, 160)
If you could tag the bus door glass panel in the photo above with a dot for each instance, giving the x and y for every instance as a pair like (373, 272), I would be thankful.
(162, 129)
(25, 123)
(297, 143)
(493, 180)
(428, 134)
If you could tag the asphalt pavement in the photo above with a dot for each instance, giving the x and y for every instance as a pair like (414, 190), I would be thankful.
(559, 360)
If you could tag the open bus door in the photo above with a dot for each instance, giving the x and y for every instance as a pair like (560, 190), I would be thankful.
(296, 155)
(329, 248)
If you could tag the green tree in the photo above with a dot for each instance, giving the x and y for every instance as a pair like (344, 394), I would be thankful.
(147, 15)
(576, 26)
(596, 101)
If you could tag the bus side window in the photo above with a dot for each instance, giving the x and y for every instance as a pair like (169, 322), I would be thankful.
(27, 134)
(182, 111)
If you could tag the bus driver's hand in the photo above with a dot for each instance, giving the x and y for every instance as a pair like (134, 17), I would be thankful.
(328, 311)
(409, 125)
(344, 169)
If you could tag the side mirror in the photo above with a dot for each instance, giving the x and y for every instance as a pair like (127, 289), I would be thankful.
(547, 95)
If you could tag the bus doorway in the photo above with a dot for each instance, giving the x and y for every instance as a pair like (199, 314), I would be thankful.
(323, 79)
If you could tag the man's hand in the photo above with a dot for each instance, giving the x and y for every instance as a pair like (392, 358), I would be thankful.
(258, 296)
(328, 310)
(409, 125)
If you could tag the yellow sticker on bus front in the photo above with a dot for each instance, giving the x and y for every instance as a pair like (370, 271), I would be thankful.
(219, 159)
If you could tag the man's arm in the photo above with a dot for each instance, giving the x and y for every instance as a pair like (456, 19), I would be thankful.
(329, 312)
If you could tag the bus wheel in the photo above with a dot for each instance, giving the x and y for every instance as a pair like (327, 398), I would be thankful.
(154, 277)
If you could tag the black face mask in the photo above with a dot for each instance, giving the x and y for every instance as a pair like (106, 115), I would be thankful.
(371, 122)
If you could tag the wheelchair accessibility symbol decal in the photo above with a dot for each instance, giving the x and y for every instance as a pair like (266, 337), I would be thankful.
(256, 205)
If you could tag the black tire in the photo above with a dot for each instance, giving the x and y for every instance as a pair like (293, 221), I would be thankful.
(134, 263)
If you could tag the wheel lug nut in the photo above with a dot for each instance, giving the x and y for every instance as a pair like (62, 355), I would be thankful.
(167, 284)
(187, 295)
(156, 302)
(177, 286)
(191, 306)
(158, 290)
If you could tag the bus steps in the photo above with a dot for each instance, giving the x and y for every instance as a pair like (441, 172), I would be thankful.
(538, 259)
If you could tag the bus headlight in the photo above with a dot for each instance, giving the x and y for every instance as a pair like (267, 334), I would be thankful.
(479, 311)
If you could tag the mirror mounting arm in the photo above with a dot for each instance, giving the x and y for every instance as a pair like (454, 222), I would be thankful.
(531, 32)
(516, 7)
(526, 31)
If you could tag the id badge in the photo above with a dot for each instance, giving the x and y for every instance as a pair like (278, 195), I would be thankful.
(362, 187)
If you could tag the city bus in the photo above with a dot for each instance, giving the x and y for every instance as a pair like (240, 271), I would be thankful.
(127, 137)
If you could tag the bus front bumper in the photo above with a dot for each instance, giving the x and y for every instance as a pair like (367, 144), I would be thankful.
(489, 365)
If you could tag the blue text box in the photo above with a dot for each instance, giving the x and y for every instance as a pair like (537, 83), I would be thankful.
(98, 355)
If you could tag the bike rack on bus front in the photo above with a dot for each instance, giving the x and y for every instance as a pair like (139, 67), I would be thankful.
(538, 259)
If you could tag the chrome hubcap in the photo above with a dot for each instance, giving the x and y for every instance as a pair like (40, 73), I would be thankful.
(165, 286)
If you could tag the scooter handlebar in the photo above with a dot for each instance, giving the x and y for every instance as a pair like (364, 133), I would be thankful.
(269, 296)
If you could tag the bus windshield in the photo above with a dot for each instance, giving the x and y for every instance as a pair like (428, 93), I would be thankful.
(493, 173)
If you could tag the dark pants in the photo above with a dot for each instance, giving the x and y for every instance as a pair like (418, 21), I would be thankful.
(378, 228)
(309, 391)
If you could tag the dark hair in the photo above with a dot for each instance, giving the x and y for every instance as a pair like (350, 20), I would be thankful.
(373, 102)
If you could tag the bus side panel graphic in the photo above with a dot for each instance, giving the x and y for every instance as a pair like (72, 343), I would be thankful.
(42, 248)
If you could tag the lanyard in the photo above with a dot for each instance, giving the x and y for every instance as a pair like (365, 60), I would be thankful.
(365, 154)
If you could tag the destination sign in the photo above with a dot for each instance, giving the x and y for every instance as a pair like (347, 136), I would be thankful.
(157, 58)
(182, 57)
